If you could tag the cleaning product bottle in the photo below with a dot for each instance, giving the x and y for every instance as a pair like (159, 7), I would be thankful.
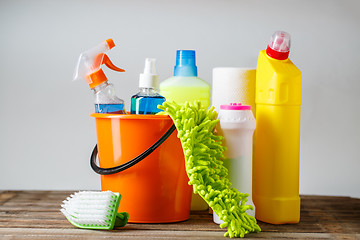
(277, 136)
(237, 125)
(146, 101)
(89, 68)
(185, 86)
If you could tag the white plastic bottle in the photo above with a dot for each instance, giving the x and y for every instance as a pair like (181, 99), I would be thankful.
(237, 125)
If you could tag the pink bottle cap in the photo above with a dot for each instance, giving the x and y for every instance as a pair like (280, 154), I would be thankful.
(235, 106)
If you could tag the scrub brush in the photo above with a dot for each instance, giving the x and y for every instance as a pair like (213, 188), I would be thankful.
(204, 166)
(94, 210)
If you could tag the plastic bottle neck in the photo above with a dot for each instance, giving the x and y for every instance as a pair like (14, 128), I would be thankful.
(146, 90)
(100, 87)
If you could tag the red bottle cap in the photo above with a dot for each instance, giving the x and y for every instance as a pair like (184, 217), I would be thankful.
(279, 46)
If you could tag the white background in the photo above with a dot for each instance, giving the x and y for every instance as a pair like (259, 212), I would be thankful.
(46, 133)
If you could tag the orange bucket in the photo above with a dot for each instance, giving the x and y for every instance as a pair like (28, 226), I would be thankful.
(155, 189)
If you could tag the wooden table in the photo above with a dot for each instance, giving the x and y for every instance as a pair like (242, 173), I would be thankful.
(36, 215)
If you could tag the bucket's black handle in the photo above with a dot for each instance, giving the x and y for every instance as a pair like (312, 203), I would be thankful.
(122, 167)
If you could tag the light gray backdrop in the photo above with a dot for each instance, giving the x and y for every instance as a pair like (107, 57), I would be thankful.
(46, 133)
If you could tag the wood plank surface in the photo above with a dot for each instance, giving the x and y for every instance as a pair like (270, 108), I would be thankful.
(36, 215)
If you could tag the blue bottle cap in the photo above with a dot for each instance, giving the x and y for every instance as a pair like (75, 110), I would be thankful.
(185, 63)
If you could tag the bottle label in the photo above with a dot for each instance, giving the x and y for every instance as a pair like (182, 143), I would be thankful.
(110, 108)
(146, 105)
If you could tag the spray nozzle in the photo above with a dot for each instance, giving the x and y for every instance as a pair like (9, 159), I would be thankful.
(89, 64)
(279, 46)
(149, 79)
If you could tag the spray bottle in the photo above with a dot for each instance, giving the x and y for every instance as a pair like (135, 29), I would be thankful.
(146, 101)
(277, 136)
(89, 68)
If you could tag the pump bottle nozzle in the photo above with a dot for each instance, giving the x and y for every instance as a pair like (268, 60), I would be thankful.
(150, 66)
(149, 79)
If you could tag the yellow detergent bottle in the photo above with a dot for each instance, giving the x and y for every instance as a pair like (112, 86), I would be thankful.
(277, 142)
(185, 86)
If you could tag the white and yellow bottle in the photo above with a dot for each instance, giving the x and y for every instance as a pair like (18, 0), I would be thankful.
(277, 137)
(186, 86)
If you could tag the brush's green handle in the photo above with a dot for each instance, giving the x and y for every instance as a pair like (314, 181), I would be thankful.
(121, 219)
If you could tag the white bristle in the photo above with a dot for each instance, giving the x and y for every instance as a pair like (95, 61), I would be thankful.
(88, 207)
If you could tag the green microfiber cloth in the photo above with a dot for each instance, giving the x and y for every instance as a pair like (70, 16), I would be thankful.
(204, 166)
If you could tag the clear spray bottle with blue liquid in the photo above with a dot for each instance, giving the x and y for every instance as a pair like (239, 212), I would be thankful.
(147, 100)
(89, 68)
